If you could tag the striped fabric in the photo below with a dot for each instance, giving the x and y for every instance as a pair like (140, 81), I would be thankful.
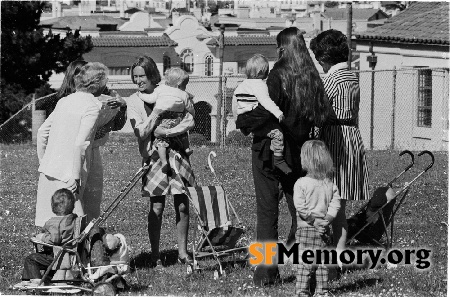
(345, 142)
(211, 204)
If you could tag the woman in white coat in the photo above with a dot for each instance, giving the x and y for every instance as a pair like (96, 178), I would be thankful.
(64, 137)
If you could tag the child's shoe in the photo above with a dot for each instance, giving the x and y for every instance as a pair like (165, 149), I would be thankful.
(281, 164)
(188, 152)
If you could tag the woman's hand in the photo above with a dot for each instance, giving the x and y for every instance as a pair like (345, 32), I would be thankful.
(116, 101)
(160, 132)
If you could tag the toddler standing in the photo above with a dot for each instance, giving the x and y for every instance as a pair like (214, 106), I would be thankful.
(317, 201)
(251, 92)
(171, 103)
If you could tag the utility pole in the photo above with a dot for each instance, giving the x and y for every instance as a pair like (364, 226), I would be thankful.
(349, 33)
(220, 97)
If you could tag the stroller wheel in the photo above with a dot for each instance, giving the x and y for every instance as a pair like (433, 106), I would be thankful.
(104, 289)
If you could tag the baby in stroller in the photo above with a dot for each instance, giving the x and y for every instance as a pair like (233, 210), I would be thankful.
(369, 215)
(119, 260)
(58, 230)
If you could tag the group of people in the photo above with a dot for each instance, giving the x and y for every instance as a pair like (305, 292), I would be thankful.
(306, 140)
(306, 144)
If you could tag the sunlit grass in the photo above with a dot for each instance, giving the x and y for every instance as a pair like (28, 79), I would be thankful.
(418, 224)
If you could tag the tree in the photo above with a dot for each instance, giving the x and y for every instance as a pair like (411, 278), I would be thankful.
(331, 4)
(28, 57)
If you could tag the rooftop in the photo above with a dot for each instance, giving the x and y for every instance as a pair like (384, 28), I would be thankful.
(84, 22)
(422, 22)
(245, 40)
(357, 14)
(133, 41)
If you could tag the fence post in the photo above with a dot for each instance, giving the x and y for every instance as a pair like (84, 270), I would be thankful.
(220, 97)
(223, 123)
(37, 119)
(372, 106)
(394, 87)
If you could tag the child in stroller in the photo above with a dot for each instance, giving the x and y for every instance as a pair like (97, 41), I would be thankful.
(58, 230)
(119, 259)
(370, 215)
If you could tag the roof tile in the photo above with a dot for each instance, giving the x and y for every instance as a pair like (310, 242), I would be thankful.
(422, 22)
(133, 41)
(245, 40)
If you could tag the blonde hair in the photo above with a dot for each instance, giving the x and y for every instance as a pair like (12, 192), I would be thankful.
(316, 160)
(91, 78)
(175, 77)
(257, 67)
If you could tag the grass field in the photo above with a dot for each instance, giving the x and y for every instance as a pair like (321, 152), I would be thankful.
(418, 224)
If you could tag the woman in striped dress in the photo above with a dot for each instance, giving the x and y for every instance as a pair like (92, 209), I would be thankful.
(341, 134)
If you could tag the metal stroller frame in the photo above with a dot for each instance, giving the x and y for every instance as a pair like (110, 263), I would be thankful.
(105, 288)
(387, 212)
(205, 239)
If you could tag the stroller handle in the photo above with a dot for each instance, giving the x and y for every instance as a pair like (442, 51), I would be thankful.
(213, 154)
(432, 159)
(412, 159)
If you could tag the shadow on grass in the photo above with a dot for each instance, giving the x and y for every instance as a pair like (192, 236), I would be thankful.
(144, 259)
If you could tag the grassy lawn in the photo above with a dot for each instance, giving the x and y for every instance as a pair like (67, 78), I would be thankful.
(418, 224)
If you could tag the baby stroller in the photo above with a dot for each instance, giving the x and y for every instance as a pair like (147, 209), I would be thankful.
(371, 222)
(219, 224)
(77, 260)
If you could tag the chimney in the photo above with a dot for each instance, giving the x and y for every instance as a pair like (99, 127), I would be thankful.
(54, 14)
(122, 9)
(58, 9)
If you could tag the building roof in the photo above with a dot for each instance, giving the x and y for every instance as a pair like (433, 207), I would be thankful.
(357, 14)
(133, 41)
(245, 40)
(86, 23)
(422, 22)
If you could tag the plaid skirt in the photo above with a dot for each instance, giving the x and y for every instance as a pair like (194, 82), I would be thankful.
(157, 183)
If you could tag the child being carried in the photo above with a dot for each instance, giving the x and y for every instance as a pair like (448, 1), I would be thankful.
(251, 92)
(171, 104)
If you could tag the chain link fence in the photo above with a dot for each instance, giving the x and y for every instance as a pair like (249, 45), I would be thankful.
(399, 109)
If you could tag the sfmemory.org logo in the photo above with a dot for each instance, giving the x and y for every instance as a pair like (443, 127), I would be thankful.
(268, 253)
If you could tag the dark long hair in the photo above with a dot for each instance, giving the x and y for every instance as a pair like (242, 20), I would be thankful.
(68, 84)
(300, 79)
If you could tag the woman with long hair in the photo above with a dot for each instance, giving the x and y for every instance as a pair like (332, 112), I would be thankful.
(296, 88)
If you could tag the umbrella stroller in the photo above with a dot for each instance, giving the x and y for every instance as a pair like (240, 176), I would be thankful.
(371, 222)
(77, 260)
(219, 224)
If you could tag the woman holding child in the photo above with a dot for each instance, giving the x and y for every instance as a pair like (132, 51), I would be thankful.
(294, 85)
(158, 183)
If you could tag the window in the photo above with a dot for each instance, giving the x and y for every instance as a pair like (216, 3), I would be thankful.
(424, 102)
(187, 60)
(119, 70)
(166, 63)
(209, 62)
